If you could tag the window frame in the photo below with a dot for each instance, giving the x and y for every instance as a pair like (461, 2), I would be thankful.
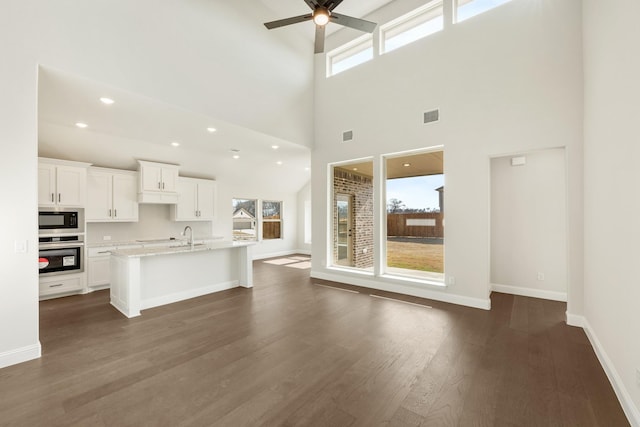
(349, 50)
(408, 22)
(263, 220)
(456, 6)
(258, 231)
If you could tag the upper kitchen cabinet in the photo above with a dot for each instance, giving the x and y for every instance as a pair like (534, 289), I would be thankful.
(112, 195)
(61, 183)
(158, 183)
(197, 200)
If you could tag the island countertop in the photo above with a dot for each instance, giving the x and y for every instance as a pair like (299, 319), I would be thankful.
(143, 278)
(180, 247)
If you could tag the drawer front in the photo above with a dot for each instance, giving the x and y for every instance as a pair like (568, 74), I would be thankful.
(50, 287)
(101, 251)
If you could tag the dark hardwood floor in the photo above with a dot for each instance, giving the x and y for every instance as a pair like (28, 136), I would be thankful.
(296, 352)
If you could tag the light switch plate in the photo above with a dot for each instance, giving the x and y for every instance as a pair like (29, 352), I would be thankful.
(21, 246)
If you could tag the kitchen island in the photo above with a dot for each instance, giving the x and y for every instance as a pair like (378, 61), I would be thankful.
(143, 278)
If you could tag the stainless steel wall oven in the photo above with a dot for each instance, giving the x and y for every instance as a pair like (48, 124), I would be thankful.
(61, 255)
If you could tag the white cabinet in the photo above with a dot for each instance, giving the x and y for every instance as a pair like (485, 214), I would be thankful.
(98, 269)
(158, 183)
(61, 183)
(111, 195)
(54, 286)
(196, 200)
(98, 265)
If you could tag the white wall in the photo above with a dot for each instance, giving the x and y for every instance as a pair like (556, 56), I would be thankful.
(612, 177)
(509, 80)
(154, 223)
(304, 199)
(528, 225)
(182, 53)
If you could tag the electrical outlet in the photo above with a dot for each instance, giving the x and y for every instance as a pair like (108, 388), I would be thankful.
(540, 276)
(451, 280)
(105, 238)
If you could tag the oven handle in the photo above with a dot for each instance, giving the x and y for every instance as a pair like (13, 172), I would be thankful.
(60, 245)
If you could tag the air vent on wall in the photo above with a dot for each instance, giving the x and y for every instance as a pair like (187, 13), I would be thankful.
(431, 116)
(347, 136)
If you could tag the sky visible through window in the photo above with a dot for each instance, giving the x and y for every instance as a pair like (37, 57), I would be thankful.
(352, 61)
(476, 7)
(416, 192)
(414, 34)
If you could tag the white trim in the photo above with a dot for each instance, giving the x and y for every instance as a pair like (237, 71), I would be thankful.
(631, 411)
(184, 295)
(257, 257)
(529, 292)
(575, 320)
(417, 290)
(19, 355)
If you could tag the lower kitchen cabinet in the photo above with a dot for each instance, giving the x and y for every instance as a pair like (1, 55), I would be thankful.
(98, 265)
(62, 284)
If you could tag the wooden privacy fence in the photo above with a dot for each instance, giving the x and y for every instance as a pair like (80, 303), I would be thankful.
(415, 224)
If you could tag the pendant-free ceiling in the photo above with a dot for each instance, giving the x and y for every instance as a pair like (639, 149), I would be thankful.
(322, 13)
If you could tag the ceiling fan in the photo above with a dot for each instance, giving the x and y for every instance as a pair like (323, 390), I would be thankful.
(322, 13)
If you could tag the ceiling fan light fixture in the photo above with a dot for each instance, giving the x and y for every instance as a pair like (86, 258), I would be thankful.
(321, 16)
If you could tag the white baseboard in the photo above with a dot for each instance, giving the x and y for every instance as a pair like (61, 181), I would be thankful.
(631, 411)
(529, 292)
(20, 355)
(367, 281)
(281, 253)
(575, 320)
(188, 294)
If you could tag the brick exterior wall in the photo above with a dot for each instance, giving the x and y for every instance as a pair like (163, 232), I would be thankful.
(360, 188)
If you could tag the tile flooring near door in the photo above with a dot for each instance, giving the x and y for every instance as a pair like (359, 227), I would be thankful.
(296, 351)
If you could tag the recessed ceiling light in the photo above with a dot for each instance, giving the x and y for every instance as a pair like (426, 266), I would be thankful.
(211, 130)
(279, 163)
(236, 156)
(275, 147)
(355, 169)
(307, 169)
(107, 101)
(406, 165)
(82, 125)
(175, 144)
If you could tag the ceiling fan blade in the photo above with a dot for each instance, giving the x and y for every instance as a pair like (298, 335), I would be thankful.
(288, 21)
(332, 4)
(319, 48)
(355, 23)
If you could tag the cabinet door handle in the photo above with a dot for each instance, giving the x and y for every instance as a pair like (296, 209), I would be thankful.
(56, 285)
(59, 197)
(104, 252)
(53, 197)
(109, 213)
(163, 185)
(159, 185)
(115, 212)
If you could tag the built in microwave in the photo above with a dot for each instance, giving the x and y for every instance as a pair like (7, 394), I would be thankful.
(61, 221)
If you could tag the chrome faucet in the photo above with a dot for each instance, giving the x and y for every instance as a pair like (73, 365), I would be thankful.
(184, 233)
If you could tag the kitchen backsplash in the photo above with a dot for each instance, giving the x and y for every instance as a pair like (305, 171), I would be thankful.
(154, 223)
